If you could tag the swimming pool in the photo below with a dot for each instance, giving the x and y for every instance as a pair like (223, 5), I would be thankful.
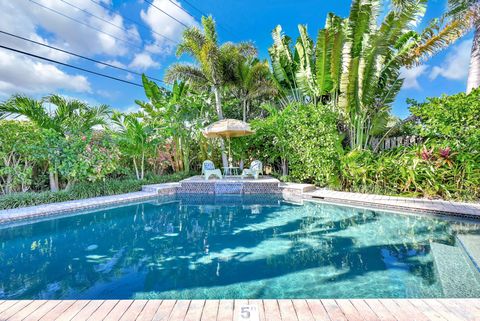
(258, 246)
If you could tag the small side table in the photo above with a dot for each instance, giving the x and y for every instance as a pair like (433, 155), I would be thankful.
(231, 171)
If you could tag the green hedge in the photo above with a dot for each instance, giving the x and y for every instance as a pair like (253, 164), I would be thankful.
(85, 190)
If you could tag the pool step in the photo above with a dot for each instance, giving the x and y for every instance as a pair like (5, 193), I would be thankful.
(471, 245)
(458, 277)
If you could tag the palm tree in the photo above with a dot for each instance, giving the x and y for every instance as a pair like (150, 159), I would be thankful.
(135, 138)
(469, 11)
(354, 65)
(252, 81)
(461, 17)
(67, 115)
(215, 63)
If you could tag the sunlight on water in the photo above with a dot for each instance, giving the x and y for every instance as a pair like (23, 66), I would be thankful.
(202, 246)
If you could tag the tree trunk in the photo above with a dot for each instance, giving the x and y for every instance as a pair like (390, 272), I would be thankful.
(53, 177)
(70, 184)
(244, 111)
(136, 168)
(474, 70)
(284, 167)
(142, 174)
(218, 105)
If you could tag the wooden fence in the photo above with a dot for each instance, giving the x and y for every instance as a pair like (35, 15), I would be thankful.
(392, 142)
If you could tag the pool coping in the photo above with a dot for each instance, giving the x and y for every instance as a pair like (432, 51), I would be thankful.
(289, 191)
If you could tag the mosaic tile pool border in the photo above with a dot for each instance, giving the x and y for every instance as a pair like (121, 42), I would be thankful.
(288, 191)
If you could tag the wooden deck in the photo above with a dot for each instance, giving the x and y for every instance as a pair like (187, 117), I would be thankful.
(244, 310)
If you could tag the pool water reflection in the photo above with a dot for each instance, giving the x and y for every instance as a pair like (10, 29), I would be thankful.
(205, 247)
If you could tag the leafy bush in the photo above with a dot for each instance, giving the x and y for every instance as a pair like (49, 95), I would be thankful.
(432, 170)
(85, 190)
(455, 118)
(314, 145)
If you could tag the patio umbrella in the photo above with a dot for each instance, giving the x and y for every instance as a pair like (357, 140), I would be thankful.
(227, 128)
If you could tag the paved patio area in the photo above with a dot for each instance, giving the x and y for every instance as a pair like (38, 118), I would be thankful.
(245, 310)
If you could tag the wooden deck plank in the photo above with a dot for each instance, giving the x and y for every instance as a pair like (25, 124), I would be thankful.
(179, 310)
(261, 310)
(73, 310)
(333, 310)
(463, 311)
(396, 311)
(287, 311)
(149, 310)
(450, 316)
(118, 310)
(432, 314)
(272, 310)
(14, 309)
(349, 310)
(225, 310)
(364, 310)
(410, 310)
(7, 304)
(195, 310)
(133, 310)
(164, 310)
(465, 303)
(380, 310)
(210, 310)
(58, 310)
(318, 310)
(303, 310)
(237, 304)
(102, 311)
(22, 314)
(42, 310)
(87, 310)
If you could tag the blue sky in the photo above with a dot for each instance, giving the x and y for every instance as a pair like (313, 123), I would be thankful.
(140, 47)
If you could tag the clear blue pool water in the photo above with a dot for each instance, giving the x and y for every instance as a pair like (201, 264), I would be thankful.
(204, 247)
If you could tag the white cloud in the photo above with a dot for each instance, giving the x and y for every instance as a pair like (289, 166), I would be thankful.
(23, 75)
(411, 76)
(164, 25)
(143, 61)
(20, 73)
(456, 63)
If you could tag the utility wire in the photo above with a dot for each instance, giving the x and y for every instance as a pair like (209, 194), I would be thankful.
(204, 14)
(95, 16)
(181, 8)
(71, 66)
(83, 23)
(77, 55)
(136, 22)
(166, 13)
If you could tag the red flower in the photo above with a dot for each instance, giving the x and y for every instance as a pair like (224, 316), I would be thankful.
(426, 154)
(444, 152)
(84, 138)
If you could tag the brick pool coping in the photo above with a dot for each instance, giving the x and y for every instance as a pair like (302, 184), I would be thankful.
(289, 191)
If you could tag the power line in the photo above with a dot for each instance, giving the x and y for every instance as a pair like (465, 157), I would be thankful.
(77, 55)
(71, 66)
(166, 13)
(203, 14)
(95, 16)
(136, 22)
(82, 23)
(181, 8)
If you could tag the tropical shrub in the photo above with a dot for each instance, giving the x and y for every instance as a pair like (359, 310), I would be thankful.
(453, 118)
(84, 190)
(18, 142)
(314, 145)
(432, 170)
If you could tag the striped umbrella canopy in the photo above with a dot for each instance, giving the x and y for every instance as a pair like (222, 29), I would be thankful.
(227, 128)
